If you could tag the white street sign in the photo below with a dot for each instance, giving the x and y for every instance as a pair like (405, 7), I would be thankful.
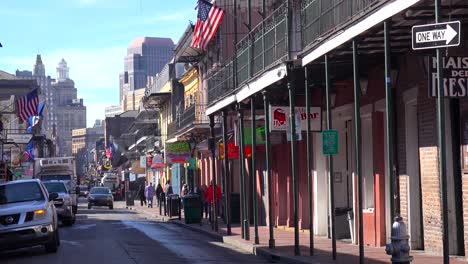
(438, 35)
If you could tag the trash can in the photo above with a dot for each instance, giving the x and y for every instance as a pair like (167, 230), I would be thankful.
(192, 208)
(341, 225)
(129, 199)
(173, 204)
(235, 208)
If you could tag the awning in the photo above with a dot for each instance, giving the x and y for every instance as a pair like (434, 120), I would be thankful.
(221, 104)
(263, 81)
(158, 99)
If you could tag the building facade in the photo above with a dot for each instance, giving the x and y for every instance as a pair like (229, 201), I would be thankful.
(83, 142)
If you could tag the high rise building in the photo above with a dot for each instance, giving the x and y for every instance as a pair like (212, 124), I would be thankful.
(146, 56)
(63, 111)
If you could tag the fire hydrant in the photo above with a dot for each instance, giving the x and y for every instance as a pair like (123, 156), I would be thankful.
(399, 247)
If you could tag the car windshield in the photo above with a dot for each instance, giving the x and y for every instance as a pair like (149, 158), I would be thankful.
(56, 187)
(55, 177)
(100, 191)
(20, 192)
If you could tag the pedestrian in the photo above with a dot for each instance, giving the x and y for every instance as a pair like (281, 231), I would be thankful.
(141, 195)
(203, 201)
(159, 190)
(184, 190)
(149, 193)
(209, 197)
(168, 188)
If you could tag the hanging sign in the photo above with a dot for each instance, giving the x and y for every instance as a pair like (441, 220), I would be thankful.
(279, 120)
(437, 35)
(330, 142)
(157, 161)
(233, 150)
(142, 161)
(455, 76)
(177, 152)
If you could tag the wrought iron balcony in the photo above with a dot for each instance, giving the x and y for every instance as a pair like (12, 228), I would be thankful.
(321, 17)
(220, 82)
(192, 115)
(265, 46)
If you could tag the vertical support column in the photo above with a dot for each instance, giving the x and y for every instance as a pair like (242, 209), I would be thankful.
(249, 25)
(390, 139)
(331, 181)
(253, 173)
(240, 119)
(234, 65)
(227, 176)
(214, 205)
(441, 143)
(263, 30)
(245, 210)
(309, 164)
(292, 130)
(357, 124)
(266, 106)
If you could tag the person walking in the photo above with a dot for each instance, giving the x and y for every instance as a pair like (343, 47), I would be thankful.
(204, 203)
(149, 193)
(168, 188)
(209, 197)
(159, 190)
(141, 195)
(184, 190)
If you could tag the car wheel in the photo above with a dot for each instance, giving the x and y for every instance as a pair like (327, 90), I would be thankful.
(89, 206)
(52, 246)
(111, 206)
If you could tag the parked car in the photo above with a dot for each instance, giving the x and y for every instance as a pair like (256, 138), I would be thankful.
(83, 190)
(63, 202)
(27, 216)
(100, 196)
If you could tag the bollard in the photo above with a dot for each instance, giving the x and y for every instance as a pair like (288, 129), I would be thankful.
(399, 248)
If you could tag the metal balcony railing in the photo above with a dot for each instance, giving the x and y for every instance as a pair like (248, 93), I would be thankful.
(220, 82)
(320, 17)
(266, 45)
(193, 115)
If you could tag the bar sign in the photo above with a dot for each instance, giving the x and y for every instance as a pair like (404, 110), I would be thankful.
(438, 35)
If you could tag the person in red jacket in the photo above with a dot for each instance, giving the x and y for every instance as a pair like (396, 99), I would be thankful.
(209, 196)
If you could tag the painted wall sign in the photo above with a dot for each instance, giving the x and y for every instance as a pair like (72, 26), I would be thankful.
(455, 74)
(280, 118)
(177, 152)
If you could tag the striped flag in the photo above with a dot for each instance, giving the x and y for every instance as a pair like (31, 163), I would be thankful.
(208, 20)
(27, 105)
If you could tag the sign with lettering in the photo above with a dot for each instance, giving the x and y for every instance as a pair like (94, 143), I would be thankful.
(455, 76)
(438, 35)
(279, 118)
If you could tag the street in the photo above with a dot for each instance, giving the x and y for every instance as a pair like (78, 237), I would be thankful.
(119, 236)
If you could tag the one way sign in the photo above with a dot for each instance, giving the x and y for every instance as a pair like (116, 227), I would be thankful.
(438, 35)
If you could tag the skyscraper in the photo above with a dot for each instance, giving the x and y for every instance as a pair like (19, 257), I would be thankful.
(63, 111)
(146, 56)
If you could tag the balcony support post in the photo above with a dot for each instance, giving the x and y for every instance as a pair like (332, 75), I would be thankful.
(227, 177)
(357, 127)
(214, 220)
(253, 172)
(266, 105)
(309, 164)
(244, 206)
(292, 131)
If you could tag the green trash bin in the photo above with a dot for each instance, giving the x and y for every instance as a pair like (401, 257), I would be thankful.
(192, 209)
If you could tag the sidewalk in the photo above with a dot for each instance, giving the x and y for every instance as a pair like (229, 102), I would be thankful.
(284, 240)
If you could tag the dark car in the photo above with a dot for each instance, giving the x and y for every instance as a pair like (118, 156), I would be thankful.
(100, 196)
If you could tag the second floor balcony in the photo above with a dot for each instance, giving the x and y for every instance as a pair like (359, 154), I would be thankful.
(192, 117)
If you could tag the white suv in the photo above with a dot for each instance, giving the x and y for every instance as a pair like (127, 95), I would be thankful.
(27, 216)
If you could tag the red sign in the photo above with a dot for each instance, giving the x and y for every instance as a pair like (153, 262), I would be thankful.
(233, 151)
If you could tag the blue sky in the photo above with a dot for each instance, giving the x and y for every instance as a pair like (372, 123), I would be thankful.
(91, 35)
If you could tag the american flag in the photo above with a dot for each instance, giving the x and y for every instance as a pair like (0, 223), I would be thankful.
(27, 105)
(208, 20)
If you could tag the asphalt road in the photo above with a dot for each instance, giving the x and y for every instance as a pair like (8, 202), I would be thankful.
(106, 236)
